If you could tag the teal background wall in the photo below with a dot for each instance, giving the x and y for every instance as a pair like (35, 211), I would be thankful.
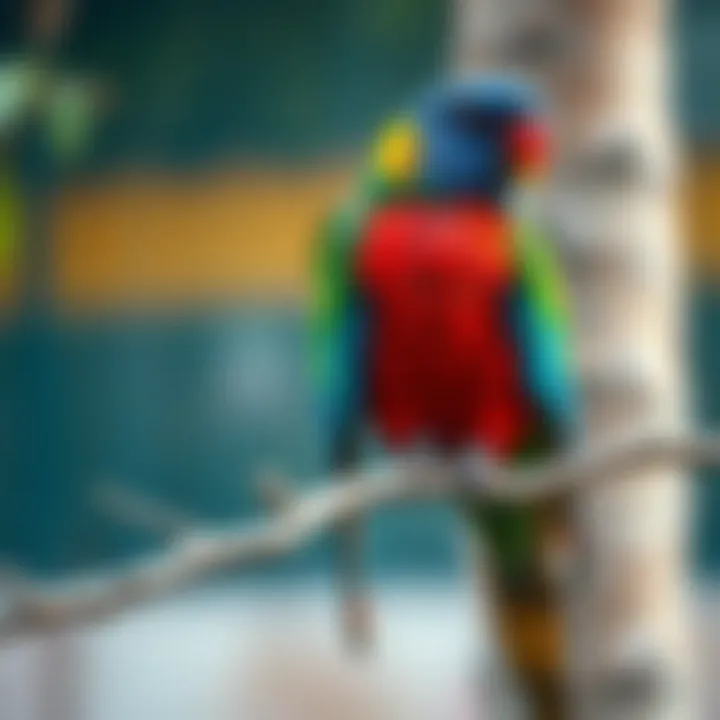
(204, 81)
(704, 353)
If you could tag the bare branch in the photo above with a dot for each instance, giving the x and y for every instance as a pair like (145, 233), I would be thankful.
(197, 555)
(135, 509)
(588, 464)
(200, 554)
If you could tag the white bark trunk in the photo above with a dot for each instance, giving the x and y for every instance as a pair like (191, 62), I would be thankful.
(604, 64)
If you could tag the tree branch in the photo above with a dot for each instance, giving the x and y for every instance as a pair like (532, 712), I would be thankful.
(199, 554)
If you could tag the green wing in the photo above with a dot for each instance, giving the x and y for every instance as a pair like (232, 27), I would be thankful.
(542, 325)
(340, 323)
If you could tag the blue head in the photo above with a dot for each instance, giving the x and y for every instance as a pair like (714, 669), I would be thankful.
(468, 138)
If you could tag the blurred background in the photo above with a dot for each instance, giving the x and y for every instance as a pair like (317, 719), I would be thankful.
(153, 328)
(163, 167)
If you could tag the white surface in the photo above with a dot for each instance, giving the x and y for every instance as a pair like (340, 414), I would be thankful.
(230, 655)
(216, 656)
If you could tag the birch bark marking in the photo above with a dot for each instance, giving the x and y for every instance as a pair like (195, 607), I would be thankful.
(610, 85)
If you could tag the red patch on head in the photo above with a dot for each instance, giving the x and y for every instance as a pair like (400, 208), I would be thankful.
(529, 146)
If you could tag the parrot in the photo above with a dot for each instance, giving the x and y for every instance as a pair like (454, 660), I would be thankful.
(441, 320)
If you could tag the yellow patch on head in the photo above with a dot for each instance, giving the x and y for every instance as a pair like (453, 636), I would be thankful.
(397, 153)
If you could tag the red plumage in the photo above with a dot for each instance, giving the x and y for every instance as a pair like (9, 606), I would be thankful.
(529, 147)
(443, 364)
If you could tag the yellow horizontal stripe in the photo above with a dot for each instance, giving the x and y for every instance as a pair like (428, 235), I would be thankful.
(160, 242)
(701, 201)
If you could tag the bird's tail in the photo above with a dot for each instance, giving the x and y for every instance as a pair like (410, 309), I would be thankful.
(527, 603)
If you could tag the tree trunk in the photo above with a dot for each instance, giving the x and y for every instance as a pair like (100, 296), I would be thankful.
(604, 64)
